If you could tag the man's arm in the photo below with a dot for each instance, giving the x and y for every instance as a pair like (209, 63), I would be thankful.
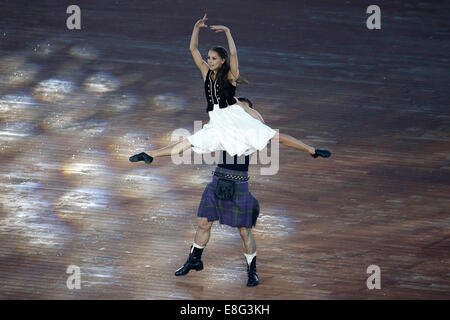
(255, 114)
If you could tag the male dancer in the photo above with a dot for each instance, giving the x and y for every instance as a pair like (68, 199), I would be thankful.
(230, 202)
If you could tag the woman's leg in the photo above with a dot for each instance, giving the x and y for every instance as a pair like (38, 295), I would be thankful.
(175, 148)
(287, 140)
(290, 141)
(194, 260)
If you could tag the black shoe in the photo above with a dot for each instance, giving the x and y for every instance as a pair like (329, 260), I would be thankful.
(323, 153)
(141, 157)
(252, 274)
(192, 262)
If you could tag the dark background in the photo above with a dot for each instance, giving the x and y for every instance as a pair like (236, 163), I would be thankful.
(75, 104)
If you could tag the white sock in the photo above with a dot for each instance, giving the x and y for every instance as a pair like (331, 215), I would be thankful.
(250, 257)
(194, 245)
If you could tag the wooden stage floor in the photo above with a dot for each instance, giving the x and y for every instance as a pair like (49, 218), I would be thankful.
(74, 105)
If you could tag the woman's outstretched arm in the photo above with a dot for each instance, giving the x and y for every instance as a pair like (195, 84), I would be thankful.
(234, 63)
(201, 64)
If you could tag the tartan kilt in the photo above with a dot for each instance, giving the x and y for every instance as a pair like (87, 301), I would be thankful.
(240, 211)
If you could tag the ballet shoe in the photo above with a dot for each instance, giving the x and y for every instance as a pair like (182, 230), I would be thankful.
(322, 153)
(141, 157)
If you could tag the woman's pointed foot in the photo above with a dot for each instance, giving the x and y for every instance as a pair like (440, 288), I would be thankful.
(141, 157)
(322, 153)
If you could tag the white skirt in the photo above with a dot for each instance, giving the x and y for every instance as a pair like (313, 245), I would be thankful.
(231, 129)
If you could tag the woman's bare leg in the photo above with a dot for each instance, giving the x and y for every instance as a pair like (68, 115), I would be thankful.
(175, 148)
(290, 141)
(183, 145)
(285, 139)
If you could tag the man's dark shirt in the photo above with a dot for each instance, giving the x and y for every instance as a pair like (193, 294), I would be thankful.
(234, 163)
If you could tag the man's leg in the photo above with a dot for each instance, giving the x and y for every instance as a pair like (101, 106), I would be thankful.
(248, 240)
(203, 232)
(249, 245)
(195, 255)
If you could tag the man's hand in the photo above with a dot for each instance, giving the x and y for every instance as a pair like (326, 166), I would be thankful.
(240, 103)
(255, 114)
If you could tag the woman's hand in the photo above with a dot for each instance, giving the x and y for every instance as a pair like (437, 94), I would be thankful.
(201, 23)
(219, 28)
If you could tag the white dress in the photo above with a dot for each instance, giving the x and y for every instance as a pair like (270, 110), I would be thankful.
(231, 129)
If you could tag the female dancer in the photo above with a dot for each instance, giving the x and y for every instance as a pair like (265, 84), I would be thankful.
(238, 130)
(233, 126)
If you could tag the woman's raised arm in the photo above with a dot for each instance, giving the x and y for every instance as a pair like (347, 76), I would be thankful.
(201, 64)
(234, 63)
